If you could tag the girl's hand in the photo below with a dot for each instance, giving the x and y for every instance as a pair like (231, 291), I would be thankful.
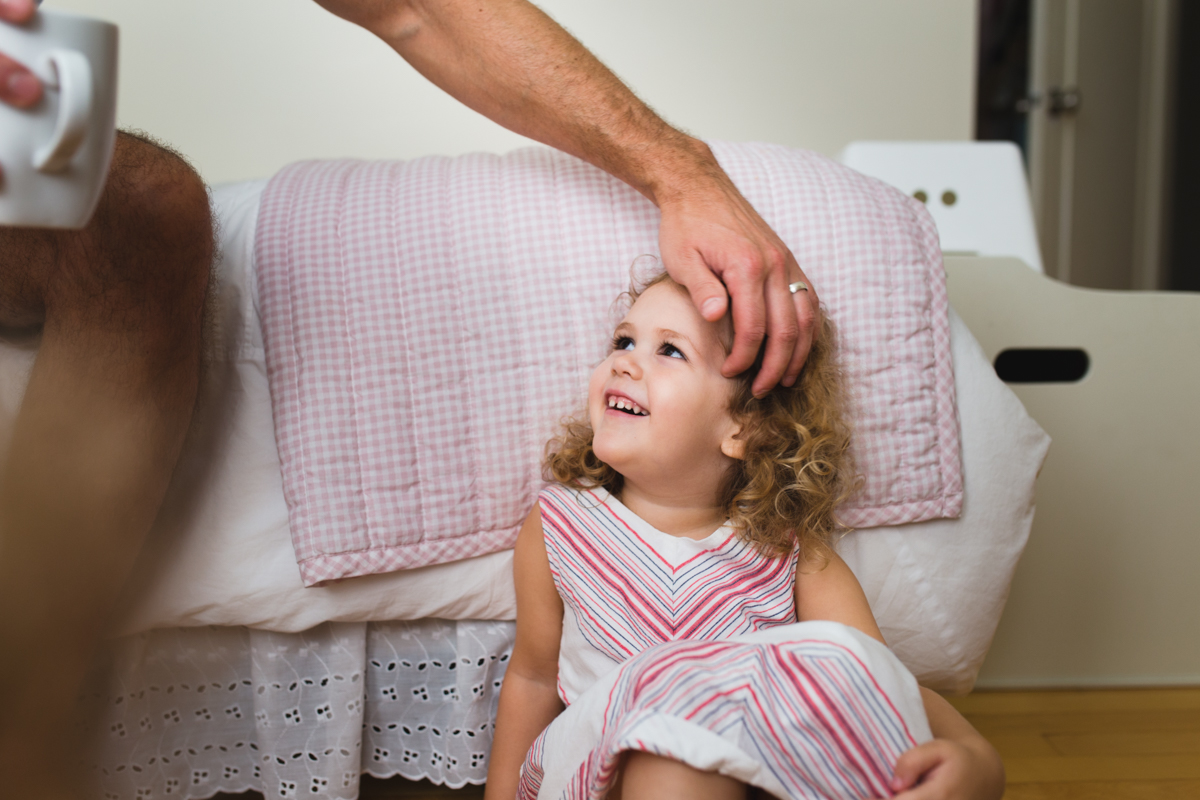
(949, 770)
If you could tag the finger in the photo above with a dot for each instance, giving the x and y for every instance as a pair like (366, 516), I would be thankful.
(749, 323)
(914, 763)
(16, 10)
(783, 331)
(705, 288)
(18, 86)
(808, 318)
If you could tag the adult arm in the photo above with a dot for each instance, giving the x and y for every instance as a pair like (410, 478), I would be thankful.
(512, 63)
(958, 764)
(529, 696)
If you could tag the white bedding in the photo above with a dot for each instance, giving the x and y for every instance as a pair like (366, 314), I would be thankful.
(220, 553)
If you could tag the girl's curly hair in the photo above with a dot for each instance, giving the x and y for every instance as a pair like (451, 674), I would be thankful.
(796, 468)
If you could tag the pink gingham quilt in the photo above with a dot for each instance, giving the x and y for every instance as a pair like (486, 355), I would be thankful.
(427, 323)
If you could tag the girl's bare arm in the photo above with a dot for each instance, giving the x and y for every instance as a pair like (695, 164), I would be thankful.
(959, 763)
(529, 697)
(829, 591)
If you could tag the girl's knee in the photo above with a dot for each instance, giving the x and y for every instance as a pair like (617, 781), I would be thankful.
(646, 775)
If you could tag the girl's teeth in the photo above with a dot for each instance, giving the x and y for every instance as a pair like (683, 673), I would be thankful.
(626, 405)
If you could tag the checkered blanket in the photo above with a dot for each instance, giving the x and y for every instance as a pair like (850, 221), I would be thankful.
(427, 323)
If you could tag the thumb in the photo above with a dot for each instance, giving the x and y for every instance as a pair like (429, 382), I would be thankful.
(706, 289)
(17, 10)
(18, 86)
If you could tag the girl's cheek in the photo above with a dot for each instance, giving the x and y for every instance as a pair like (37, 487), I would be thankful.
(596, 394)
(596, 382)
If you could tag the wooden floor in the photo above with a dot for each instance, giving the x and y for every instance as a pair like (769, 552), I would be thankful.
(1130, 744)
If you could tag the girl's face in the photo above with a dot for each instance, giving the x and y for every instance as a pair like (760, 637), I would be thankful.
(659, 405)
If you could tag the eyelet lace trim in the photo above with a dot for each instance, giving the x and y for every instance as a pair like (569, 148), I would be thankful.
(189, 712)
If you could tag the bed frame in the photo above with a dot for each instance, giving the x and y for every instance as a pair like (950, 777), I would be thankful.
(1106, 593)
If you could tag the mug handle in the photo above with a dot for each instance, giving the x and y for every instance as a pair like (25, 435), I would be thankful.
(73, 78)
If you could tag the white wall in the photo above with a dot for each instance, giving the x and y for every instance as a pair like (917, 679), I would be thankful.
(245, 86)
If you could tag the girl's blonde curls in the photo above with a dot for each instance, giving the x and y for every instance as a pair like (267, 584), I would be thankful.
(796, 468)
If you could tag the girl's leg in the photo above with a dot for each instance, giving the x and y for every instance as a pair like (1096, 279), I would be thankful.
(646, 776)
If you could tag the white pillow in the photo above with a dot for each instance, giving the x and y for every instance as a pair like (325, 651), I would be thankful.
(937, 588)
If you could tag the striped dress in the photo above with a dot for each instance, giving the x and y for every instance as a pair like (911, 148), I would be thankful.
(690, 649)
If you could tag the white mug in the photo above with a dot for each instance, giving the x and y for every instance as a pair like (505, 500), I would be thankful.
(55, 156)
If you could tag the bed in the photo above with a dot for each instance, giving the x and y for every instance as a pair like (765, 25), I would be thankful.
(225, 673)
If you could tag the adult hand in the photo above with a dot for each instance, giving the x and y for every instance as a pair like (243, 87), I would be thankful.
(942, 769)
(512, 63)
(18, 86)
(713, 241)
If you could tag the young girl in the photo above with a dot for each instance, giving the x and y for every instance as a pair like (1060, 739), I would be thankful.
(669, 589)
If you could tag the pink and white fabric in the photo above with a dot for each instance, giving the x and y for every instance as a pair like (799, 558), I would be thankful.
(627, 586)
(427, 323)
(700, 659)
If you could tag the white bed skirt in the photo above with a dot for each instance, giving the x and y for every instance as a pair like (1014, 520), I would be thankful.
(189, 712)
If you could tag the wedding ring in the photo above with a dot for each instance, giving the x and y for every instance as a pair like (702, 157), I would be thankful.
(798, 286)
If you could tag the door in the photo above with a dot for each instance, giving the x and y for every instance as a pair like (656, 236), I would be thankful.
(1098, 138)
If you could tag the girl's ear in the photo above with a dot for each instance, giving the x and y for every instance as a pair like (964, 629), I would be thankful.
(732, 446)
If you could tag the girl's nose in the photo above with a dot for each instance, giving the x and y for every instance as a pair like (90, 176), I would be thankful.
(626, 363)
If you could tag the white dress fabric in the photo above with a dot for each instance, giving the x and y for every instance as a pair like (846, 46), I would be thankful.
(707, 666)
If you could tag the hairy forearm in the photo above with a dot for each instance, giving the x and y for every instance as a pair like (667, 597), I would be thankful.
(512, 63)
(527, 706)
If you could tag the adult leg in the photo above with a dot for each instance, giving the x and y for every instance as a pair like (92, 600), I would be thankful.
(97, 436)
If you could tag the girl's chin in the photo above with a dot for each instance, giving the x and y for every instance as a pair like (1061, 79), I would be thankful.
(614, 456)
(606, 454)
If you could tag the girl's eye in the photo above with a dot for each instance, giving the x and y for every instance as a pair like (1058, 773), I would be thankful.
(622, 343)
(672, 351)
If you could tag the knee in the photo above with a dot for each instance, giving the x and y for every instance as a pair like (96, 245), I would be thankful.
(646, 775)
(149, 182)
(155, 211)
(147, 254)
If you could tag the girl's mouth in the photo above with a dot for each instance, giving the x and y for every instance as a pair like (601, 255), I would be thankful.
(627, 406)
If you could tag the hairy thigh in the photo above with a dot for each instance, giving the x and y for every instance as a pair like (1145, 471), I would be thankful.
(143, 259)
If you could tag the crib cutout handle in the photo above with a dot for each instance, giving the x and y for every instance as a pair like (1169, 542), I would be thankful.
(1042, 365)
